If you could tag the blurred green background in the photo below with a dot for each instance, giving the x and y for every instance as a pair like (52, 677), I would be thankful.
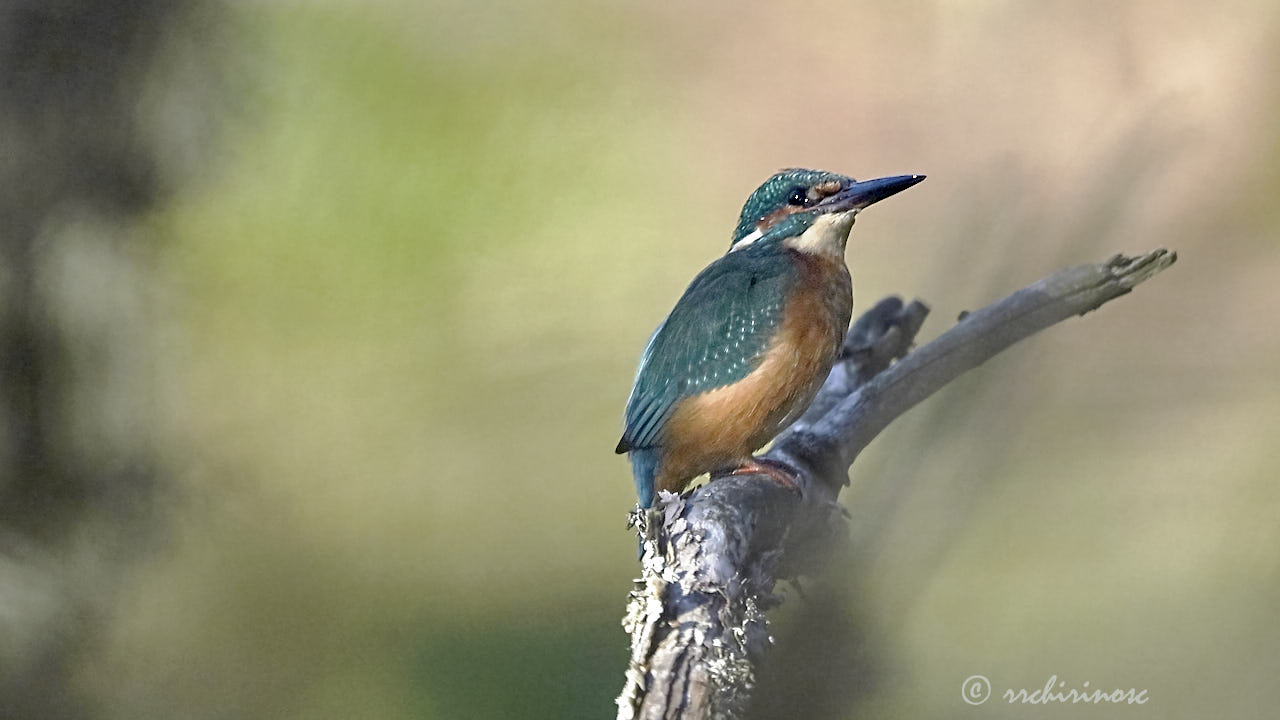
(392, 306)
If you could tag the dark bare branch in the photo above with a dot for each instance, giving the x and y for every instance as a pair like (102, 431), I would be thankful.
(711, 559)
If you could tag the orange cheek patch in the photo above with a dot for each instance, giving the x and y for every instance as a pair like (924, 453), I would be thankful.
(776, 216)
(830, 187)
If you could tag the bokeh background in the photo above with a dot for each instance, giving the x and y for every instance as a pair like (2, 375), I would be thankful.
(319, 317)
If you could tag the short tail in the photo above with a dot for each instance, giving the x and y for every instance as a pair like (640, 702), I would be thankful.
(644, 465)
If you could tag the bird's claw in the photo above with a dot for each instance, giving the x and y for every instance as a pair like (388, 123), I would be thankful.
(780, 472)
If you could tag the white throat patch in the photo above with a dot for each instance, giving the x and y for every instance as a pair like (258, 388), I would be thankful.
(826, 236)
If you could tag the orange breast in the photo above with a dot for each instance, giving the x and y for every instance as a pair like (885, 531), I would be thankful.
(720, 429)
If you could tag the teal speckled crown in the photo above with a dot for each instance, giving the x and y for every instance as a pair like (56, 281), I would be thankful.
(773, 194)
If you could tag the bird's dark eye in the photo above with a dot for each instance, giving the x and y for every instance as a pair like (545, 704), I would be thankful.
(799, 197)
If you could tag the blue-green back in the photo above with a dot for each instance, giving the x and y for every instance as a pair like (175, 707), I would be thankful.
(716, 335)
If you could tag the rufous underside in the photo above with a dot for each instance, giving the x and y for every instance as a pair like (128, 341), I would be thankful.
(720, 429)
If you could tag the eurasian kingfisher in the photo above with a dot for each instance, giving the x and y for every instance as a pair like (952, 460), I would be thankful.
(752, 339)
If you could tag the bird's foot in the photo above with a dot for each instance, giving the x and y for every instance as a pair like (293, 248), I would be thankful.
(779, 472)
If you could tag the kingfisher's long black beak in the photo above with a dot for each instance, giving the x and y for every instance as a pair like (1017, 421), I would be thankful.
(861, 194)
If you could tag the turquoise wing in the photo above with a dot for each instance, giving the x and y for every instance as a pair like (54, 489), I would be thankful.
(716, 335)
